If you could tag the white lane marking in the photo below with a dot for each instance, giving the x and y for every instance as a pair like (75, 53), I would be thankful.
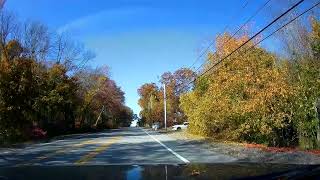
(170, 150)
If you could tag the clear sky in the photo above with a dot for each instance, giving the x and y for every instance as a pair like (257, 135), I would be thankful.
(141, 39)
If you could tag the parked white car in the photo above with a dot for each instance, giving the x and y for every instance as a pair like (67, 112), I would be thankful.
(180, 126)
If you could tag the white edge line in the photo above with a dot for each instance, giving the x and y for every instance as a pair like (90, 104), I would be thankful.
(170, 150)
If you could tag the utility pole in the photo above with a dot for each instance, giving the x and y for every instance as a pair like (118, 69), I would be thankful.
(102, 110)
(165, 106)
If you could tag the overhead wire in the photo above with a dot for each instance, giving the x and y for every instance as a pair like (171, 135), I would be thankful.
(240, 28)
(259, 32)
(212, 42)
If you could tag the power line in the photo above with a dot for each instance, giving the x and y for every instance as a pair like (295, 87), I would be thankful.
(255, 35)
(249, 19)
(283, 26)
(241, 27)
(212, 42)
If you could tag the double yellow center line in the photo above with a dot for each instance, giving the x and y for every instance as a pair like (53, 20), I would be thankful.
(85, 158)
(61, 151)
(97, 151)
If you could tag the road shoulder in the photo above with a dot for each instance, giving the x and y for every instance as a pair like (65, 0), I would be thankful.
(247, 154)
(191, 149)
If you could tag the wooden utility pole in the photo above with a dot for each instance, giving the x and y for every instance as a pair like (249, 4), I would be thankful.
(102, 109)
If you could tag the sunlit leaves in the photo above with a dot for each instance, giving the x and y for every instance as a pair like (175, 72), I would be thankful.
(241, 98)
(152, 102)
(256, 96)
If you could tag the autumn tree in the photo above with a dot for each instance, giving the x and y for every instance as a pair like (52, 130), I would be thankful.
(240, 98)
(150, 103)
(44, 84)
(57, 102)
(177, 83)
(103, 101)
(151, 97)
(18, 91)
(304, 76)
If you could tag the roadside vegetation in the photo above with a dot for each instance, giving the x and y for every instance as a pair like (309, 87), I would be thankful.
(152, 100)
(46, 89)
(254, 96)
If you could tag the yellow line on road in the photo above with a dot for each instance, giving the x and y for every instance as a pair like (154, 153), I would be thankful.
(60, 151)
(97, 151)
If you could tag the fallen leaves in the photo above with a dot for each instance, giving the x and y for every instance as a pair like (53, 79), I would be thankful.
(280, 149)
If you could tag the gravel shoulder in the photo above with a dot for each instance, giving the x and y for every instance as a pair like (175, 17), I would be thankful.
(248, 154)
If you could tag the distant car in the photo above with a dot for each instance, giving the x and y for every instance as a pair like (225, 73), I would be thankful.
(155, 126)
(180, 126)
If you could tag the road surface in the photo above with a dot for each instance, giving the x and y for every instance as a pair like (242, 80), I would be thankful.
(119, 146)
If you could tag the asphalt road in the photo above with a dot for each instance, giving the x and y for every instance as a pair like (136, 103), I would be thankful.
(119, 146)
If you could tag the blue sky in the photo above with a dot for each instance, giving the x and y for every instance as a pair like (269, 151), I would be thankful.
(140, 39)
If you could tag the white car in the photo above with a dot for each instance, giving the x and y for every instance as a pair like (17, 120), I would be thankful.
(180, 126)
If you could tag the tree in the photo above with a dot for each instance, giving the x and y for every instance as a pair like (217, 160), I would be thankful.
(57, 94)
(58, 100)
(103, 100)
(151, 97)
(18, 91)
(240, 99)
(177, 83)
(150, 103)
(315, 38)
(304, 76)
(35, 40)
(71, 53)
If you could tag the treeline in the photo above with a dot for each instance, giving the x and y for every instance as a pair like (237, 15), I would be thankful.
(258, 96)
(152, 100)
(254, 95)
(46, 88)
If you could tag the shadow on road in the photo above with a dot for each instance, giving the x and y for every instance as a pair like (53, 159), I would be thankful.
(106, 133)
(134, 147)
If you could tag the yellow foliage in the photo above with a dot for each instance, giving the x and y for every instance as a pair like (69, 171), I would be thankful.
(244, 95)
